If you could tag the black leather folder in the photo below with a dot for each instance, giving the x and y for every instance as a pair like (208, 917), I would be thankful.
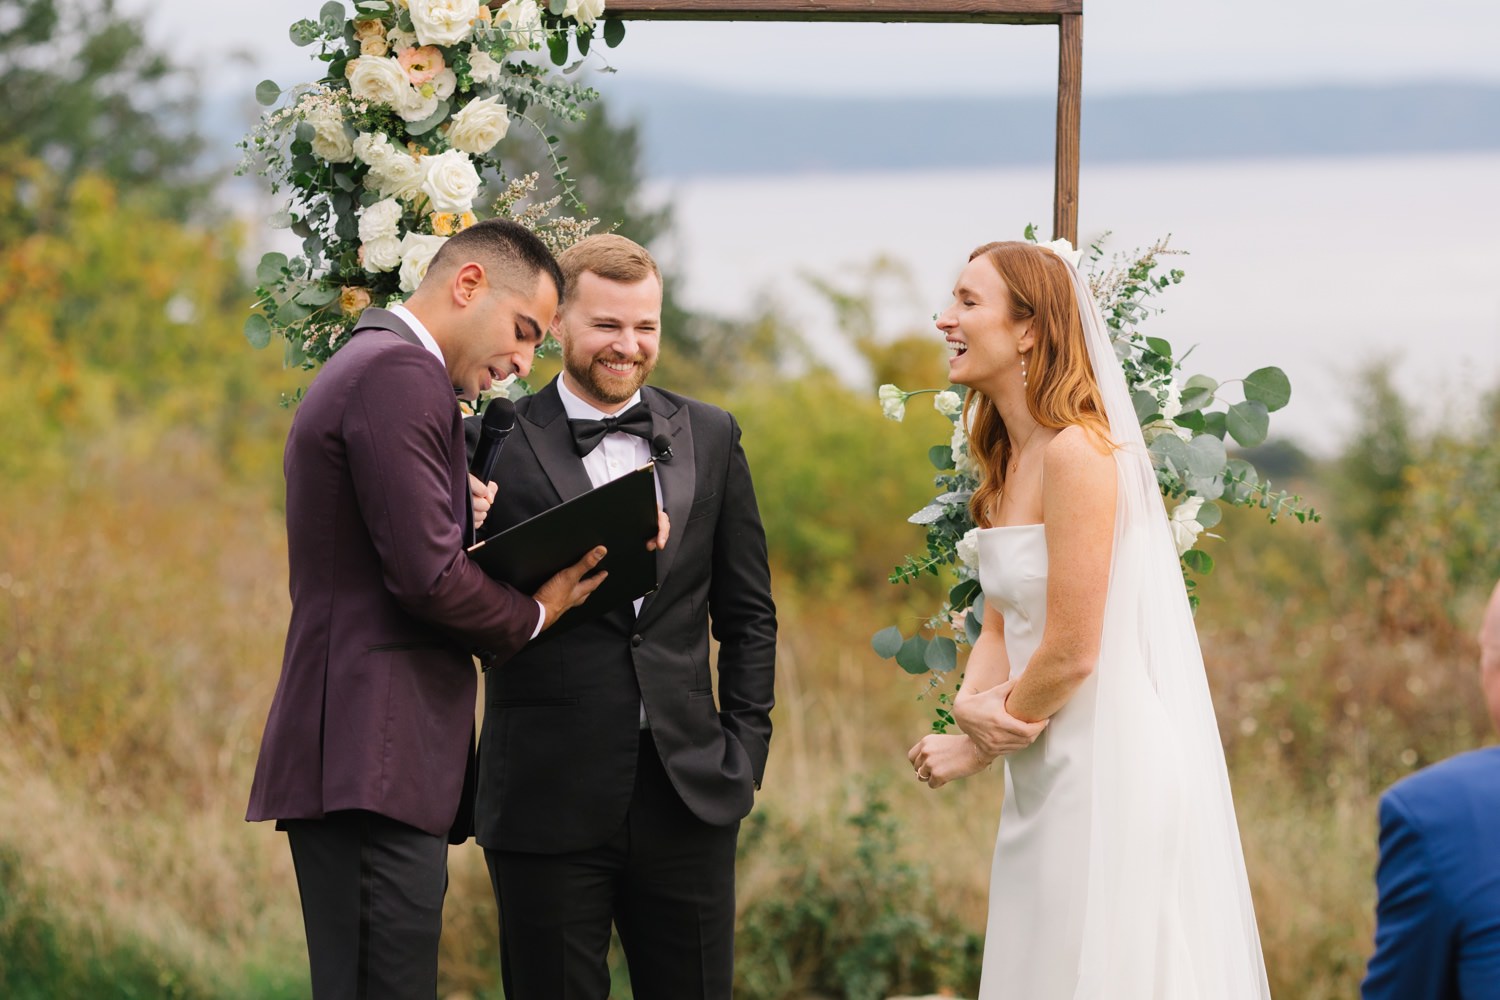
(620, 515)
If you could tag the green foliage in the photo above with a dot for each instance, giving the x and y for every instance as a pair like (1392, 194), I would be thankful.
(82, 89)
(857, 924)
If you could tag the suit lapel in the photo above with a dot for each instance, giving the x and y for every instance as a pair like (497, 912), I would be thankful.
(384, 319)
(678, 477)
(545, 425)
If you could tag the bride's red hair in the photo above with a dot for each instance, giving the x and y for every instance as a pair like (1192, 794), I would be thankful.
(1060, 386)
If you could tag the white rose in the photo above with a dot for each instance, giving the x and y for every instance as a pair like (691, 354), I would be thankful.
(479, 126)
(482, 66)
(525, 19)
(963, 463)
(381, 80)
(451, 181)
(948, 403)
(393, 172)
(400, 39)
(421, 106)
(1065, 250)
(968, 549)
(382, 219)
(382, 254)
(443, 22)
(1184, 522)
(330, 140)
(417, 252)
(585, 12)
(892, 402)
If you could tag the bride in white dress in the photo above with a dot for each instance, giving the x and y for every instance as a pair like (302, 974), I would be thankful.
(1118, 872)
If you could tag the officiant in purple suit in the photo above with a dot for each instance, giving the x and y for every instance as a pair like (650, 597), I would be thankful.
(367, 757)
(1437, 934)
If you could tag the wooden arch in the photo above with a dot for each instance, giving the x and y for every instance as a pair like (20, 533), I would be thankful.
(1066, 14)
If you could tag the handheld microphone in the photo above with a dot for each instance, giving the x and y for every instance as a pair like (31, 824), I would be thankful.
(661, 448)
(499, 418)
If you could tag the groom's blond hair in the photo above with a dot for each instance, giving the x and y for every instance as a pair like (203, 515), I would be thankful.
(610, 256)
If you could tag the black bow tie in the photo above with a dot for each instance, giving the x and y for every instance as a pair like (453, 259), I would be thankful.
(588, 433)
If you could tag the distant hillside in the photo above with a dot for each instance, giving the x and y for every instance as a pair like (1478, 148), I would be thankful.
(691, 132)
(695, 132)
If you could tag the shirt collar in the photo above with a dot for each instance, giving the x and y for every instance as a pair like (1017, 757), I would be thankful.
(410, 319)
(579, 409)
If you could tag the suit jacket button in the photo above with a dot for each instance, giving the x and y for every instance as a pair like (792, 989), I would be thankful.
(636, 640)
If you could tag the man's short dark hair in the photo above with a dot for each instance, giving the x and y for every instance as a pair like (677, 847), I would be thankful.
(512, 256)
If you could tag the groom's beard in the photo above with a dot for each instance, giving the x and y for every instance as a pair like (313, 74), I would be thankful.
(602, 384)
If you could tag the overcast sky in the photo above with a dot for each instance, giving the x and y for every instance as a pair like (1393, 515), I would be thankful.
(1129, 45)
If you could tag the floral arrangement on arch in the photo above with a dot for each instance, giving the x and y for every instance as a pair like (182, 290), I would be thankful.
(399, 145)
(1186, 426)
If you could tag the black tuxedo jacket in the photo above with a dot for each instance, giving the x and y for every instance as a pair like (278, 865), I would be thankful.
(560, 738)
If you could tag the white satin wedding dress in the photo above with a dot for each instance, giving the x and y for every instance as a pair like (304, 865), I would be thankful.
(1118, 871)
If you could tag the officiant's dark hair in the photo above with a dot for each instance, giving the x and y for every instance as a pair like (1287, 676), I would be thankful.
(1060, 389)
(512, 255)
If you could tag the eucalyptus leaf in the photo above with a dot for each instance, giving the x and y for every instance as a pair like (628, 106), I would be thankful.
(1269, 386)
(1209, 514)
(1159, 346)
(344, 181)
(941, 655)
(928, 514)
(557, 6)
(912, 656)
(1198, 392)
(1249, 422)
(1171, 451)
(974, 622)
(1198, 561)
(1215, 423)
(291, 311)
(257, 331)
(941, 457)
(304, 32)
(955, 497)
(1146, 406)
(614, 32)
(963, 594)
(887, 642)
(1240, 477)
(316, 295)
(1206, 456)
(584, 38)
(267, 92)
(557, 48)
(332, 17)
(430, 122)
(293, 356)
(270, 267)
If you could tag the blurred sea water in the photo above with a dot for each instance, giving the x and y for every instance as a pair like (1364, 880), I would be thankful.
(1320, 266)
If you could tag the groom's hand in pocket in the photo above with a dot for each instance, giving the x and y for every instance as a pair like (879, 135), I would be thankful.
(983, 716)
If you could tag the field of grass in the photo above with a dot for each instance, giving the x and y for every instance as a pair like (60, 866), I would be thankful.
(141, 616)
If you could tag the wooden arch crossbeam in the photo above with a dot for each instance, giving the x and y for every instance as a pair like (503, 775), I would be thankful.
(1066, 14)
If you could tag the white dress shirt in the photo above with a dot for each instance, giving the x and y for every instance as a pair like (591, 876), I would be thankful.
(614, 456)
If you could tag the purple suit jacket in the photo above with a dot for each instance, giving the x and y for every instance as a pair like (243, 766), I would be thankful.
(375, 706)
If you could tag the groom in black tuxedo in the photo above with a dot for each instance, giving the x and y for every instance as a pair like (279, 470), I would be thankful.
(611, 782)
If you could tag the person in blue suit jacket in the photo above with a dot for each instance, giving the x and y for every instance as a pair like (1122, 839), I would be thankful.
(1437, 933)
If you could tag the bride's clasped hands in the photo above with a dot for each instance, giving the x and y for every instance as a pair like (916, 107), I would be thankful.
(989, 732)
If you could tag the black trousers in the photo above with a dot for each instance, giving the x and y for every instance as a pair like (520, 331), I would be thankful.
(666, 881)
(372, 904)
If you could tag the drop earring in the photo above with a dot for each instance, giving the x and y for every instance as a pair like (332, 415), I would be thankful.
(1023, 371)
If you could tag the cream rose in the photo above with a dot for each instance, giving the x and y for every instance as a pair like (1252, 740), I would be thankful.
(393, 173)
(443, 22)
(479, 126)
(353, 300)
(525, 19)
(382, 80)
(400, 40)
(422, 105)
(948, 403)
(451, 181)
(381, 255)
(380, 220)
(482, 66)
(585, 12)
(417, 252)
(1185, 525)
(330, 140)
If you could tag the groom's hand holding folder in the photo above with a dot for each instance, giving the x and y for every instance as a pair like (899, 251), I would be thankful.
(616, 517)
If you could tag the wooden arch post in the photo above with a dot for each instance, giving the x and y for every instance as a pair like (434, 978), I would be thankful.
(1066, 14)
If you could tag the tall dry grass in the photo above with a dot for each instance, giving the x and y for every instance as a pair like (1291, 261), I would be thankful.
(142, 609)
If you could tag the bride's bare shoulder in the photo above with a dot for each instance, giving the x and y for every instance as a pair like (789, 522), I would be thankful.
(1077, 458)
